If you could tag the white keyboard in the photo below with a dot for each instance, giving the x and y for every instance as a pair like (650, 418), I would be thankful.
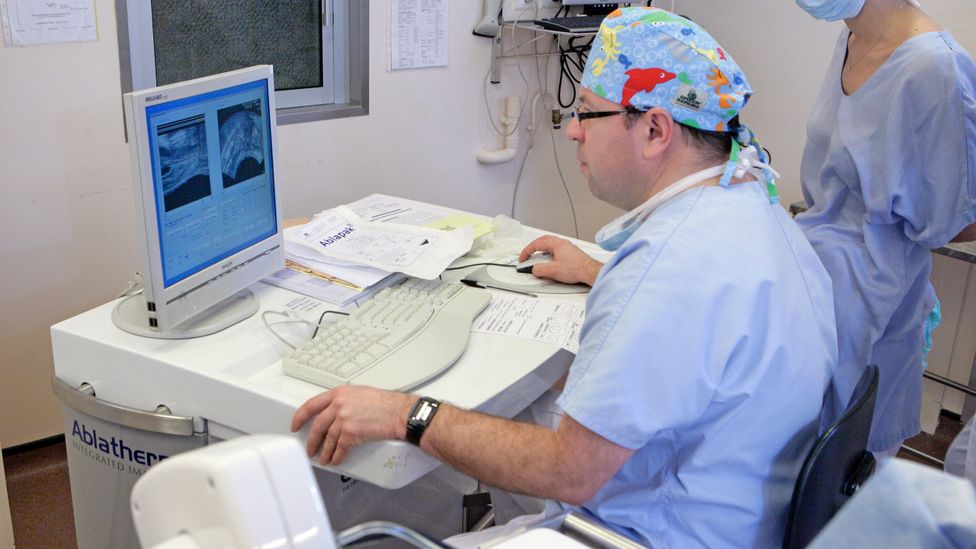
(400, 338)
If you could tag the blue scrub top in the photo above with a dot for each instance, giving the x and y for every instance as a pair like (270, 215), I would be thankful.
(888, 173)
(707, 346)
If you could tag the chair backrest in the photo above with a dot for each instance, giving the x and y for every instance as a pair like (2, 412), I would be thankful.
(836, 466)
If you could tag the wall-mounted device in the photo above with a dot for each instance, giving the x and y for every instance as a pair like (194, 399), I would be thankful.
(527, 10)
(488, 24)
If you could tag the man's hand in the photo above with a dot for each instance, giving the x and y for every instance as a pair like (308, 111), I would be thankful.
(348, 416)
(570, 265)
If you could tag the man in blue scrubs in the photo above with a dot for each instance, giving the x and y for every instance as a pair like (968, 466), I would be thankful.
(709, 336)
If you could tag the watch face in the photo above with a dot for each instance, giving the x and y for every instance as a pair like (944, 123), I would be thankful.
(425, 411)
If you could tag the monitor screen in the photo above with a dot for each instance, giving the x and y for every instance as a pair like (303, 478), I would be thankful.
(212, 175)
(207, 210)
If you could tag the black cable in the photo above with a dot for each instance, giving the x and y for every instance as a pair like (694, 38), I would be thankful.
(479, 265)
(571, 57)
(322, 316)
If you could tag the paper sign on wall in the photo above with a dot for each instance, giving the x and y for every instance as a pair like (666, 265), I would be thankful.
(30, 22)
(418, 34)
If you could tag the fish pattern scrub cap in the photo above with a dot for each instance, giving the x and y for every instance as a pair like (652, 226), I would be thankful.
(648, 57)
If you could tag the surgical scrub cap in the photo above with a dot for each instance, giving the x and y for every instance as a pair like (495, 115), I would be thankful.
(648, 57)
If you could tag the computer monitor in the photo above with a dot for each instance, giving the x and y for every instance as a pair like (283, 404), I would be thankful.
(208, 217)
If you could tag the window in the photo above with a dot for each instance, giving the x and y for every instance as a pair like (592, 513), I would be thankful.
(318, 48)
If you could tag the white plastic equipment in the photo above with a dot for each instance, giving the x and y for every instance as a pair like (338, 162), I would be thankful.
(488, 25)
(255, 491)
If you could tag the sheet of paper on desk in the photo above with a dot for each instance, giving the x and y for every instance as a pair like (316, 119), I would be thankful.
(323, 289)
(542, 319)
(384, 209)
(393, 247)
(480, 227)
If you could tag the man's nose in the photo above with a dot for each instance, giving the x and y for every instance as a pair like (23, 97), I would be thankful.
(573, 130)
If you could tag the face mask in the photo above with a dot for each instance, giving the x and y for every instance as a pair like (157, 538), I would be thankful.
(831, 10)
(614, 234)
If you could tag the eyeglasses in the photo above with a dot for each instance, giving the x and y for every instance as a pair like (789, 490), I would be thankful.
(558, 118)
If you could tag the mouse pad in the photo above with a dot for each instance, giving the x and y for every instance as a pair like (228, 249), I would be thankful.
(505, 278)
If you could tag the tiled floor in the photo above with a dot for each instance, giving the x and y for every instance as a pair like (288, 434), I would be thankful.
(936, 444)
(40, 496)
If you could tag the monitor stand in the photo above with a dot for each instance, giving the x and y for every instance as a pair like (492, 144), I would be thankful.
(130, 315)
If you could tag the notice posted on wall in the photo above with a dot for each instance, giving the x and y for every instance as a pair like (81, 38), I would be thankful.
(31, 22)
(417, 34)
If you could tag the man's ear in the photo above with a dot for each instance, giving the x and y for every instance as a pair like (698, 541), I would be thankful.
(657, 130)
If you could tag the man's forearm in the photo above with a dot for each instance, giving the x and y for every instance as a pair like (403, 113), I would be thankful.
(514, 456)
(569, 464)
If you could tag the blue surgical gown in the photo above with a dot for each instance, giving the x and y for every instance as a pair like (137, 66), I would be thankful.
(707, 346)
(888, 173)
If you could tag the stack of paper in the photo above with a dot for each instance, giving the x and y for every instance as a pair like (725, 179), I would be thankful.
(296, 279)
(352, 251)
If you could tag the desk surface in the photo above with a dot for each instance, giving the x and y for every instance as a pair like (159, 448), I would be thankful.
(233, 379)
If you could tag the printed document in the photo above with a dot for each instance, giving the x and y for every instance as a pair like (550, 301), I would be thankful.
(324, 290)
(550, 320)
(384, 208)
(356, 275)
(418, 34)
(415, 251)
(380, 207)
(29, 22)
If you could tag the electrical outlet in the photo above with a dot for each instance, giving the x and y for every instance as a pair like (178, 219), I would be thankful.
(526, 10)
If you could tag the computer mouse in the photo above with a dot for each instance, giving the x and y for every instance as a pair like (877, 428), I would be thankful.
(534, 259)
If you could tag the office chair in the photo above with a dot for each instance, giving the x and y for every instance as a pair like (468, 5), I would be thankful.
(836, 467)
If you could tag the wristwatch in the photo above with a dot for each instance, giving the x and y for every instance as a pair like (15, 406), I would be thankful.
(420, 417)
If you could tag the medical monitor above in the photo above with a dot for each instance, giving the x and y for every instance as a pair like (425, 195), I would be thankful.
(207, 211)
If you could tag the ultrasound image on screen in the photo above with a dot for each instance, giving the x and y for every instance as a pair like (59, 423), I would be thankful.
(241, 142)
(183, 162)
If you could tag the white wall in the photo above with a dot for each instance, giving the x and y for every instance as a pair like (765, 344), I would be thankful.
(66, 214)
(66, 217)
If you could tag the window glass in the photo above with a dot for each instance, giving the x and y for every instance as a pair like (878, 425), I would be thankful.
(201, 37)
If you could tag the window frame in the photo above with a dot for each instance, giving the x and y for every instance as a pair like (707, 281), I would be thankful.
(348, 21)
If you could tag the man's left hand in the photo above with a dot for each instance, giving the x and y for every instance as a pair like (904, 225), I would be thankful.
(348, 416)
